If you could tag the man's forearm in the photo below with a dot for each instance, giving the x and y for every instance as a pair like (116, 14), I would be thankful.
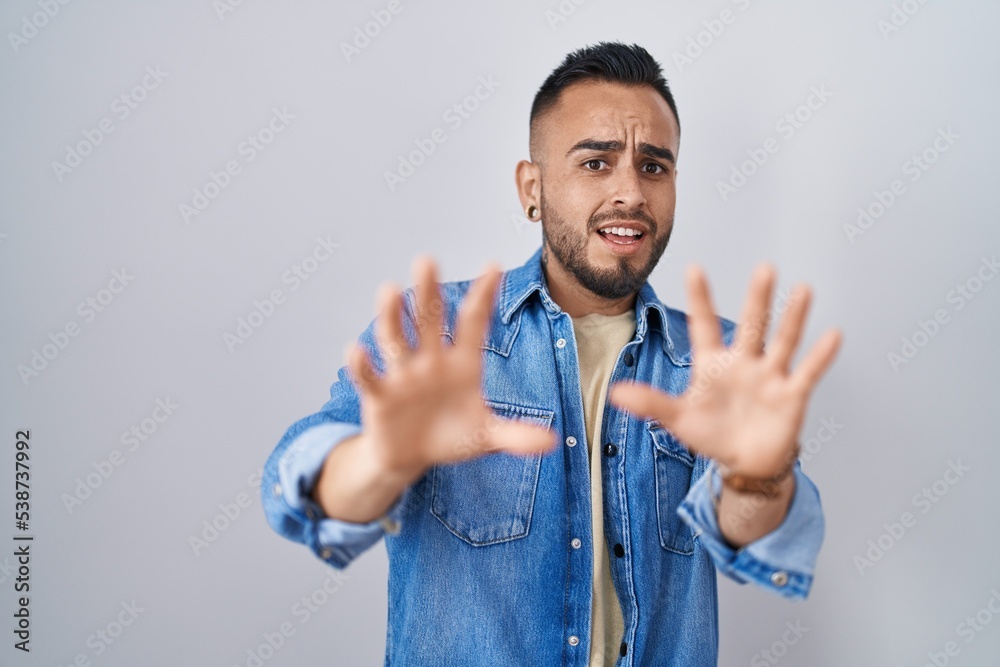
(353, 487)
(744, 517)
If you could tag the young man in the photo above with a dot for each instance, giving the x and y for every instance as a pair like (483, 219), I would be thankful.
(557, 461)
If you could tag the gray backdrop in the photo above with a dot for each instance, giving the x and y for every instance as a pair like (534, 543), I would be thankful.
(119, 120)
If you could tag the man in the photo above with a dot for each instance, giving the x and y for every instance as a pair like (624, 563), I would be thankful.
(557, 461)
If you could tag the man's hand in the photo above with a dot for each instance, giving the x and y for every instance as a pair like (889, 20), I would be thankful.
(427, 408)
(743, 407)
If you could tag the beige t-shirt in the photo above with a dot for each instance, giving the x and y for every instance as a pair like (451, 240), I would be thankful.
(599, 339)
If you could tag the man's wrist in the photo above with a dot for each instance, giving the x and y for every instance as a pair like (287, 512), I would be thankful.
(743, 516)
(770, 487)
(354, 485)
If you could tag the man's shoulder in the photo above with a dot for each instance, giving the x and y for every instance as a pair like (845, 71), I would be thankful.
(515, 283)
(452, 295)
(677, 321)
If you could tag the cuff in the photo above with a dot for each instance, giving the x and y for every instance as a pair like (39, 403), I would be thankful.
(335, 541)
(782, 561)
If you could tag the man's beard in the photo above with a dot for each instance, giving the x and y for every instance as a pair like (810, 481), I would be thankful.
(571, 251)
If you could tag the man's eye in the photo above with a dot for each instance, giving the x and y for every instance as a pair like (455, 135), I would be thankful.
(663, 169)
(594, 161)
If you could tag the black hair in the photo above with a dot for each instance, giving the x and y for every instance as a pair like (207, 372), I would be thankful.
(612, 62)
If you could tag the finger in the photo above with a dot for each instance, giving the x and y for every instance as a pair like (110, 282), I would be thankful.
(811, 368)
(703, 325)
(517, 437)
(643, 400)
(789, 332)
(477, 308)
(365, 378)
(429, 307)
(389, 327)
(754, 320)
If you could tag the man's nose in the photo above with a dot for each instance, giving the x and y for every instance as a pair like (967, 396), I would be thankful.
(627, 186)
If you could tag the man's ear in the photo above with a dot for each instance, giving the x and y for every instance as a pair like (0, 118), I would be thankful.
(528, 180)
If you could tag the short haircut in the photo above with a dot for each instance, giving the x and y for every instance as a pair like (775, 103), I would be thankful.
(611, 62)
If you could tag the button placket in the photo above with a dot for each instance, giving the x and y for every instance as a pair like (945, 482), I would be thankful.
(579, 576)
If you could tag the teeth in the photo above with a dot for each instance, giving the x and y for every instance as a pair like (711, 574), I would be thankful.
(620, 231)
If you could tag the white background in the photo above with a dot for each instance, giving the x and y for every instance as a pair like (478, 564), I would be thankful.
(162, 337)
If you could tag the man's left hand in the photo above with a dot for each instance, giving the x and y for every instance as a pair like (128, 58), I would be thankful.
(743, 406)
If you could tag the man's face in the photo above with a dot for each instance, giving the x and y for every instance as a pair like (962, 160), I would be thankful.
(609, 153)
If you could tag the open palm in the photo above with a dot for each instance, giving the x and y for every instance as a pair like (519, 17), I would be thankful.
(427, 407)
(743, 406)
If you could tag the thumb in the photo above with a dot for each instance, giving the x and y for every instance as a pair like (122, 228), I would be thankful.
(643, 400)
(517, 437)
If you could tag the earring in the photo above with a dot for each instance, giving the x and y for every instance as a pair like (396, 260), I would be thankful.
(531, 211)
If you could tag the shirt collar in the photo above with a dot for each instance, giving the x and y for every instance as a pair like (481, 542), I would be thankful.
(520, 283)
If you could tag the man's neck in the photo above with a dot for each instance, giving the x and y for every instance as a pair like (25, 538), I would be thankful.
(573, 297)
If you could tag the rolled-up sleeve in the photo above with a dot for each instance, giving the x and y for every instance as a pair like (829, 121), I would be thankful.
(783, 560)
(297, 516)
(291, 471)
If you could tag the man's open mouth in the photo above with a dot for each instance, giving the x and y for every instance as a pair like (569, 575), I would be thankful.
(621, 235)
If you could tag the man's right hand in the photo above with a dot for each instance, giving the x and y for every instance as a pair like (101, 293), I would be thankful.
(427, 407)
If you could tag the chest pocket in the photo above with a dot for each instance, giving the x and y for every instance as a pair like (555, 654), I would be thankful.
(676, 467)
(489, 499)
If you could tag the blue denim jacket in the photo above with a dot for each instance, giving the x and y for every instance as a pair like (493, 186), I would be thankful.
(490, 559)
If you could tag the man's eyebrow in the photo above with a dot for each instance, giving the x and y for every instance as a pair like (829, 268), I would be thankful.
(610, 145)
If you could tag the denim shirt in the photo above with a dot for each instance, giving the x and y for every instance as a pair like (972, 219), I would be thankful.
(490, 559)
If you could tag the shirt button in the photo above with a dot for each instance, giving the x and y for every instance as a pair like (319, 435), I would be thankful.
(576, 542)
(571, 441)
(624, 648)
(619, 550)
(326, 553)
(573, 640)
(390, 525)
(779, 578)
(277, 489)
(311, 513)
(610, 449)
(628, 362)
(561, 343)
